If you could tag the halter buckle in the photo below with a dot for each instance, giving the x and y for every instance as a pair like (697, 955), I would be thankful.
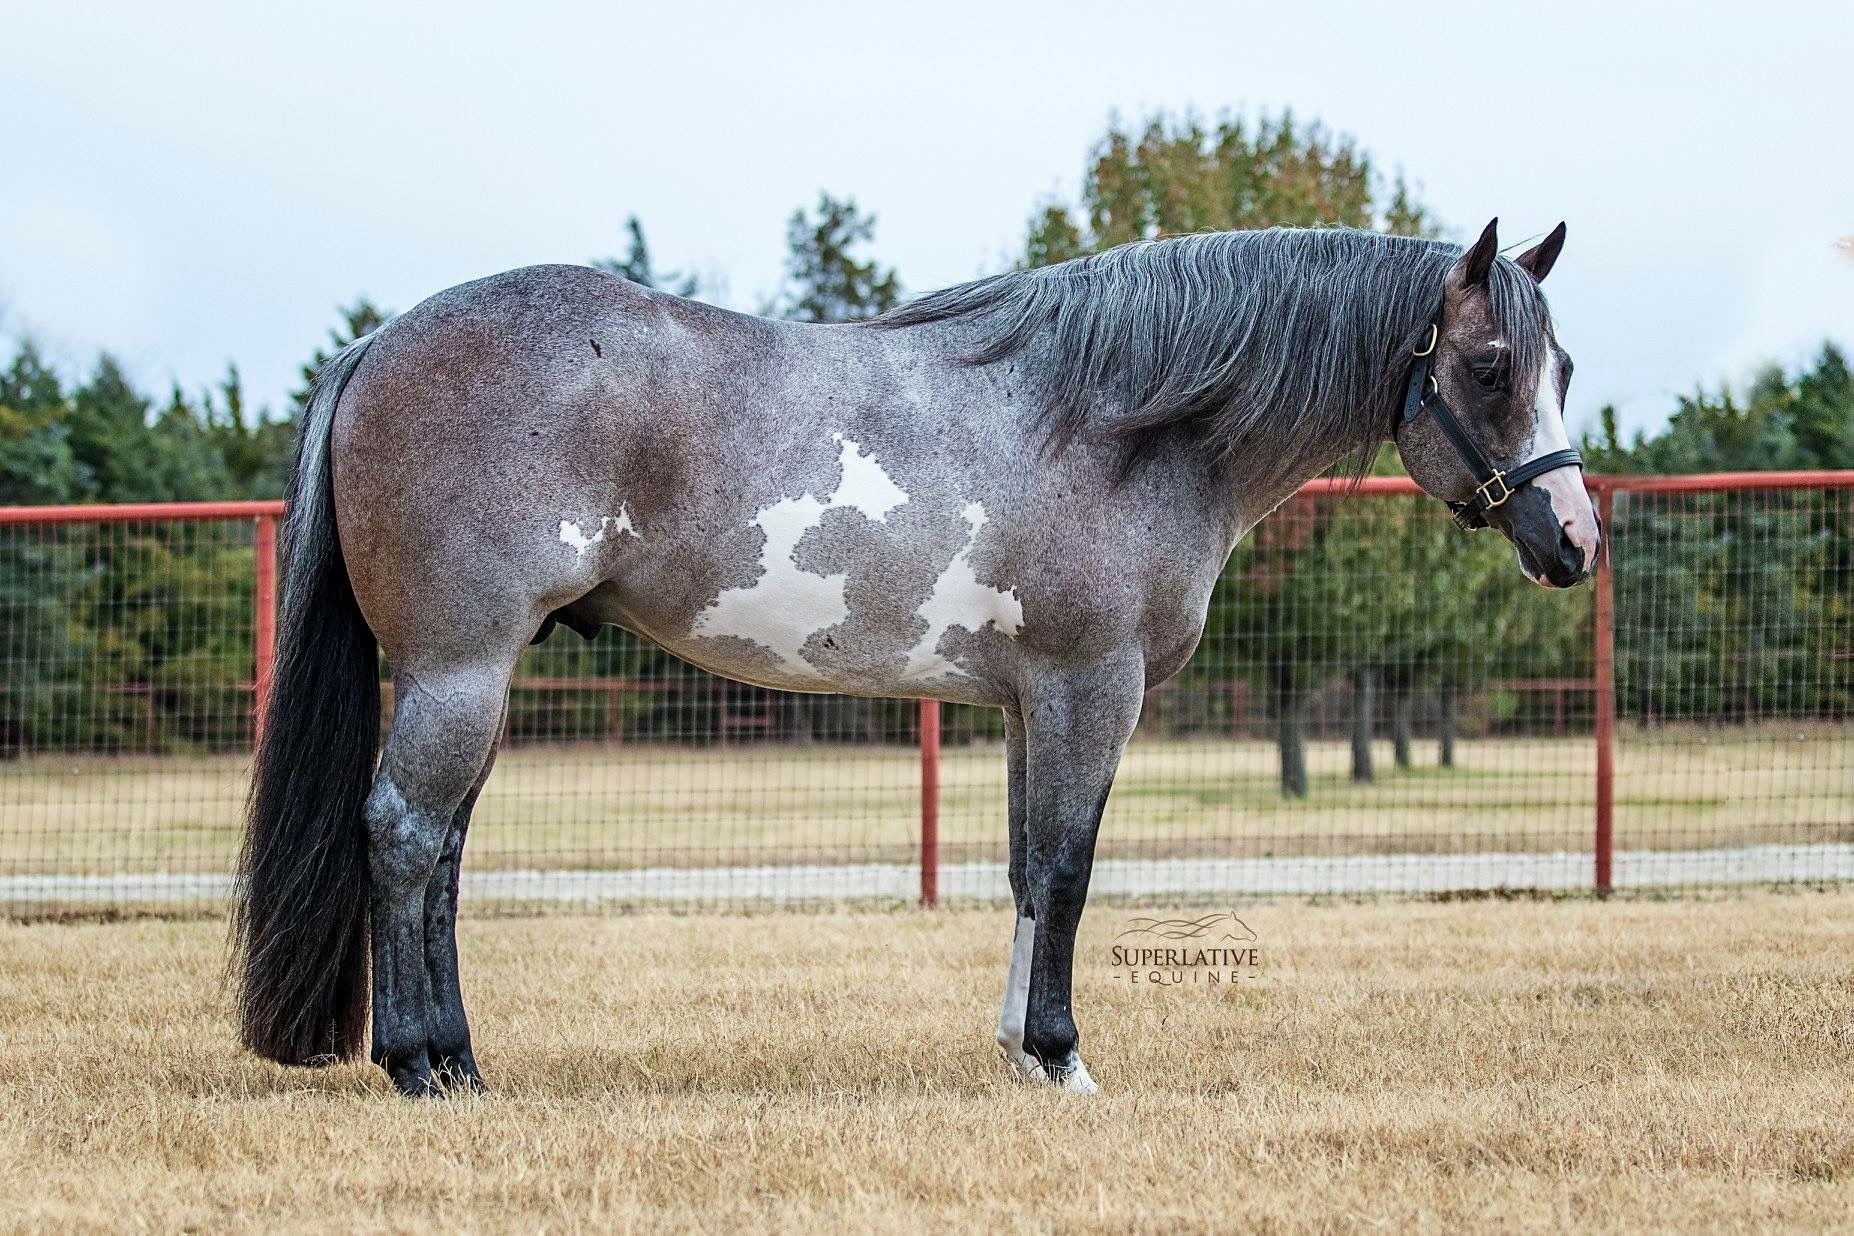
(1483, 492)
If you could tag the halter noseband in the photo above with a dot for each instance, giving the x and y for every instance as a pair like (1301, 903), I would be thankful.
(1492, 486)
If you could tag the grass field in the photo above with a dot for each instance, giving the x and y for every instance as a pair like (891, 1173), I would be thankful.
(636, 806)
(1649, 1065)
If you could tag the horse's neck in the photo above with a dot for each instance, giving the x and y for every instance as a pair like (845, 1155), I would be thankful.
(1254, 492)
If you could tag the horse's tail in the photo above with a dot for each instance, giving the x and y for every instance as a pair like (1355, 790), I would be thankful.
(300, 926)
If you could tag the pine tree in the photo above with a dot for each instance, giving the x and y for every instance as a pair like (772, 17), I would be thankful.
(636, 266)
(826, 281)
(258, 450)
(108, 423)
(36, 463)
(360, 318)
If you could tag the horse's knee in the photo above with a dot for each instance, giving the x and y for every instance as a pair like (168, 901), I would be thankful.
(404, 841)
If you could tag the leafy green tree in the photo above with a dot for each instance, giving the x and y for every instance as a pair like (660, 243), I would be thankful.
(1778, 422)
(108, 423)
(37, 464)
(1178, 175)
(1054, 237)
(1821, 412)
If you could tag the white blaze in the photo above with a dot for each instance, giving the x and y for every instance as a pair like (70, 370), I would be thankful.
(960, 600)
(1570, 501)
(787, 605)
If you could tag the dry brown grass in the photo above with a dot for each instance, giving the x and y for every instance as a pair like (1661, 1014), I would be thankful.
(637, 806)
(1529, 1065)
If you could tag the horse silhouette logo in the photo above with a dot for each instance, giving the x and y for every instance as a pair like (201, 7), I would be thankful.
(1216, 928)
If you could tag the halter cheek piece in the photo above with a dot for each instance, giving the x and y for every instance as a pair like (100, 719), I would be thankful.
(1492, 486)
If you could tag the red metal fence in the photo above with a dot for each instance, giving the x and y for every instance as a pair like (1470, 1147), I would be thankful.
(138, 640)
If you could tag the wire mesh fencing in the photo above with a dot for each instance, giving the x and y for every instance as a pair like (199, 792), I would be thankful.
(1378, 704)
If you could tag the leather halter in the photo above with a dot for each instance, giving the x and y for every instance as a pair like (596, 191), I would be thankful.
(1492, 486)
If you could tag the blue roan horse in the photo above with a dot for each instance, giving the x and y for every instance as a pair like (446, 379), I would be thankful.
(1015, 493)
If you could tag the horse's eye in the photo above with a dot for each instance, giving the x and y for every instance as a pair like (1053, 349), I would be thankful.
(1491, 375)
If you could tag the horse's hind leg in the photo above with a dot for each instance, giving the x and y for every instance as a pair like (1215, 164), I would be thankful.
(452, 1061)
(445, 725)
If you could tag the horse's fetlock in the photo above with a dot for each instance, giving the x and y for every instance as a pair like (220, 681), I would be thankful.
(1053, 1043)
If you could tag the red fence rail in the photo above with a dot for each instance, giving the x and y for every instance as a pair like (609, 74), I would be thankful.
(264, 515)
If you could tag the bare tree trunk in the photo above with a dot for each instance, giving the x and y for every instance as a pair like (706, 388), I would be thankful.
(1363, 704)
(1445, 727)
(1402, 707)
(1289, 704)
(797, 720)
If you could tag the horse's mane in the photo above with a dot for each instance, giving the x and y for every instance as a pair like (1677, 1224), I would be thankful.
(1275, 348)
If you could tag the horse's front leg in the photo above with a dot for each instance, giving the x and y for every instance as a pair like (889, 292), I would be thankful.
(1076, 726)
(1016, 1003)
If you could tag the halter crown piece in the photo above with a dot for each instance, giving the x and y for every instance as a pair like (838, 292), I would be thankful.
(1492, 486)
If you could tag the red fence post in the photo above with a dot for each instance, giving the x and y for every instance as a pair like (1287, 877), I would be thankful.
(1605, 696)
(930, 802)
(263, 619)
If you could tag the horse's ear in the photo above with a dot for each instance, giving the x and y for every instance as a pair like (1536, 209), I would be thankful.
(1540, 258)
(1470, 269)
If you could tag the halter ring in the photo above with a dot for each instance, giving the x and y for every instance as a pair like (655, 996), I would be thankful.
(1485, 491)
(1431, 345)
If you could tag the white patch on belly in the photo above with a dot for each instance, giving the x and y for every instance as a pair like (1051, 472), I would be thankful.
(787, 605)
(960, 600)
(575, 537)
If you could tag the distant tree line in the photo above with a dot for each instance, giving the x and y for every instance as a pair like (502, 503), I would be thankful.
(1729, 607)
(1737, 607)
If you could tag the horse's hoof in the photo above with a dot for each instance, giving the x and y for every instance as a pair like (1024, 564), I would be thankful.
(1077, 1081)
(415, 1081)
(1072, 1076)
(458, 1074)
(1024, 1066)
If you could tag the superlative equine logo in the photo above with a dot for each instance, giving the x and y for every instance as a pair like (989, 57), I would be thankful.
(1209, 951)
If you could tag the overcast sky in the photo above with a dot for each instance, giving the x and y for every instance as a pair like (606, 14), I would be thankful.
(189, 184)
